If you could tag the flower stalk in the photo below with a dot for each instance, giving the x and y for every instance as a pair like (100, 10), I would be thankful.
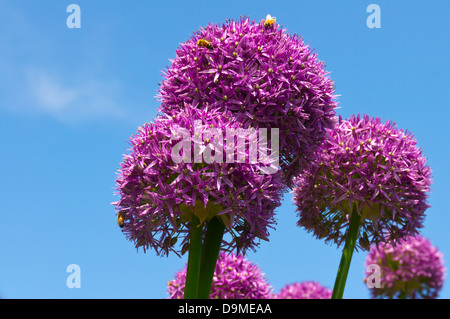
(235, 277)
(347, 253)
(210, 253)
(194, 259)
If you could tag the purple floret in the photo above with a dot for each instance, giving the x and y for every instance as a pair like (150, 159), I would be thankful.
(159, 194)
(370, 165)
(411, 269)
(263, 76)
(304, 290)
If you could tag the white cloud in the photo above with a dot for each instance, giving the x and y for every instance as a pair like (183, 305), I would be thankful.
(85, 99)
(51, 96)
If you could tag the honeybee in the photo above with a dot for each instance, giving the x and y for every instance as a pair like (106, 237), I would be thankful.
(205, 43)
(269, 21)
(121, 219)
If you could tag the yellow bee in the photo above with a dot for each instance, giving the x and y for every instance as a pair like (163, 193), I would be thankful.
(269, 21)
(121, 219)
(205, 43)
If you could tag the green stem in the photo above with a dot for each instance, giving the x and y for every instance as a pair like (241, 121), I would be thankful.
(352, 235)
(210, 253)
(402, 294)
(194, 259)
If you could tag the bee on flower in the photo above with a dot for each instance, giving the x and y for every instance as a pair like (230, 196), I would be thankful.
(205, 43)
(270, 21)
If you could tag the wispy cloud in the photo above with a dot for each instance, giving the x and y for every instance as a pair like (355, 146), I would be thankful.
(90, 98)
(51, 96)
(34, 76)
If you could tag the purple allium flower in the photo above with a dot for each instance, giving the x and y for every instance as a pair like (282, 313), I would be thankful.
(304, 290)
(372, 166)
(413, 269)
(263, 76)
(234, 278)
(160, 190)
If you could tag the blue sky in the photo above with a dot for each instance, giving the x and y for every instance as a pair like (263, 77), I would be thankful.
(70, 98)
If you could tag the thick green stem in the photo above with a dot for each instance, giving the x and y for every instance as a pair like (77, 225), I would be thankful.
(352, 235)
(210, 253)
(194, 259)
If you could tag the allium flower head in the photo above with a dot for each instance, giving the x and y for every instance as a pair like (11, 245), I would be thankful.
(304, 290)
(372, 166)
(234, 278)
(163, 182)
(263, 76)
(413, 268)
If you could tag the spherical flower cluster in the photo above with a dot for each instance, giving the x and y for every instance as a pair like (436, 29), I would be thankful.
(411, 269)
(234, 278)
(263, 76)
(169, 176)
(372, 167)
(304, 290)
